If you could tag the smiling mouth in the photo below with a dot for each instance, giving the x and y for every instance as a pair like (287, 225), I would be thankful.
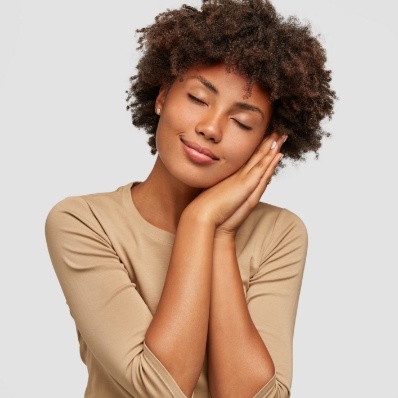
(198, 148)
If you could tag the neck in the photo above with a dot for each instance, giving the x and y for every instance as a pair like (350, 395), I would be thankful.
(161, 199)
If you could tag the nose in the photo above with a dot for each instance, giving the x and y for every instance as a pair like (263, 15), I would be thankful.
(210, 127)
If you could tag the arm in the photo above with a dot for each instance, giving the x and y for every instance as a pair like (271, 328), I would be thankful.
(109, 312)
(271, 301)
(240, 358)
(273, 297)
(180, 323)
(239, 362)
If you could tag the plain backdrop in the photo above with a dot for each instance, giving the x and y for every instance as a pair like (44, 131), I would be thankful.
(64, 69)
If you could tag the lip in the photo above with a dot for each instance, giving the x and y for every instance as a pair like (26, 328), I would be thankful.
(198, 148)
(198, 154)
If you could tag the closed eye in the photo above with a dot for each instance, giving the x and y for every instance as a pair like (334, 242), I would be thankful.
(241, 125)
(196, 99)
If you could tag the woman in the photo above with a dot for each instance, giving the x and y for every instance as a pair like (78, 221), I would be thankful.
(186, 284)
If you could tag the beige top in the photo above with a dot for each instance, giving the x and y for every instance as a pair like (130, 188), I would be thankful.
(111, 264)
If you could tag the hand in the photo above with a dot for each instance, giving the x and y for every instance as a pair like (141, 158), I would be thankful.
(227, 204)
(268, 164)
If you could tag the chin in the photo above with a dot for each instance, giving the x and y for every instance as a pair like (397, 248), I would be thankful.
(202, 180)
(199, 183)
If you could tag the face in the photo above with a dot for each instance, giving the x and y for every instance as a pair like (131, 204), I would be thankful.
(208, 127)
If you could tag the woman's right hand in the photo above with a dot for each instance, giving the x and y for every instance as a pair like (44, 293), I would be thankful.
(227, 204)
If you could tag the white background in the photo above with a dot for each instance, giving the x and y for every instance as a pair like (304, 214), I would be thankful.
(64, 69)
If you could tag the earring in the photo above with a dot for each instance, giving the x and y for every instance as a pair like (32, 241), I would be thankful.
(158, 110)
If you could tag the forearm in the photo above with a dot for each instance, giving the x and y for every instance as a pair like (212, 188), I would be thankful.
(239, 362)
(178, 332)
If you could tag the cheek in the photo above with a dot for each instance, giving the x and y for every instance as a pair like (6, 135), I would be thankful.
(164, 132)
(177, 115)
(242, 150)
(171, 127)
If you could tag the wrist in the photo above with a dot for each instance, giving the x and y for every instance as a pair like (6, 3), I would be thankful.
(198, 217)
(224, 239)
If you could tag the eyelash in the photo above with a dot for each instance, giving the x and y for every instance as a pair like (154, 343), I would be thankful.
(195, 99)
(199, 101)
(241, 125)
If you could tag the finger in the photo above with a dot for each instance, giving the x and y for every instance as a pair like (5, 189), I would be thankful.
(264, 180)
(262, 164)
(252, 200)
(265, 152)
(270, 144)
(244, 183)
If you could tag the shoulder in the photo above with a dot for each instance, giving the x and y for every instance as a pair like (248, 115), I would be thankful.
(275, 220)
(87, 209)
(275, 239)
(270, 229)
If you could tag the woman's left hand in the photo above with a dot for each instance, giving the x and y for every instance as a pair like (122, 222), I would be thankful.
(230, 226)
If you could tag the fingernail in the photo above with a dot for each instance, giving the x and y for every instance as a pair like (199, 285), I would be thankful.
(273, 145)
(284, 140)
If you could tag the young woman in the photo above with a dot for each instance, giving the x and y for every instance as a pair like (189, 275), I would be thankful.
(185, 284)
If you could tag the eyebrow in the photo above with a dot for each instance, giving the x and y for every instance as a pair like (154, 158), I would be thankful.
(241, 105)
(248, 107)
(206, 83)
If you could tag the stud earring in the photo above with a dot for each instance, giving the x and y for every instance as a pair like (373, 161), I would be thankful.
(158, 110)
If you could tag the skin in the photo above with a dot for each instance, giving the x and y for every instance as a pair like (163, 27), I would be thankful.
(202, 306)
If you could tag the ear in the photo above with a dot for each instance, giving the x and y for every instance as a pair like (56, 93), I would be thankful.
(160, 99)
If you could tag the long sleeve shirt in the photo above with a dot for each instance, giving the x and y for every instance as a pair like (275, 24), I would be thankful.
(111, 264)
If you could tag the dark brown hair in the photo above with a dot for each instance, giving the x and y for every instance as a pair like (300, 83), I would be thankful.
(251, 38)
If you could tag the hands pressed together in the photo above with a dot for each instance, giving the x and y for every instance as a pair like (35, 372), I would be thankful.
(228, 203)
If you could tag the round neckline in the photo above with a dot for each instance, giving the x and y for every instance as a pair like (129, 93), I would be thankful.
(145, 226)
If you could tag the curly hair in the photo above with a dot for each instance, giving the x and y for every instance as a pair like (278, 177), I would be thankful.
(252, 39)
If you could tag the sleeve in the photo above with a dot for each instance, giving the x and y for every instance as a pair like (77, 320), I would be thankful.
(108, 311)
(273, 296)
